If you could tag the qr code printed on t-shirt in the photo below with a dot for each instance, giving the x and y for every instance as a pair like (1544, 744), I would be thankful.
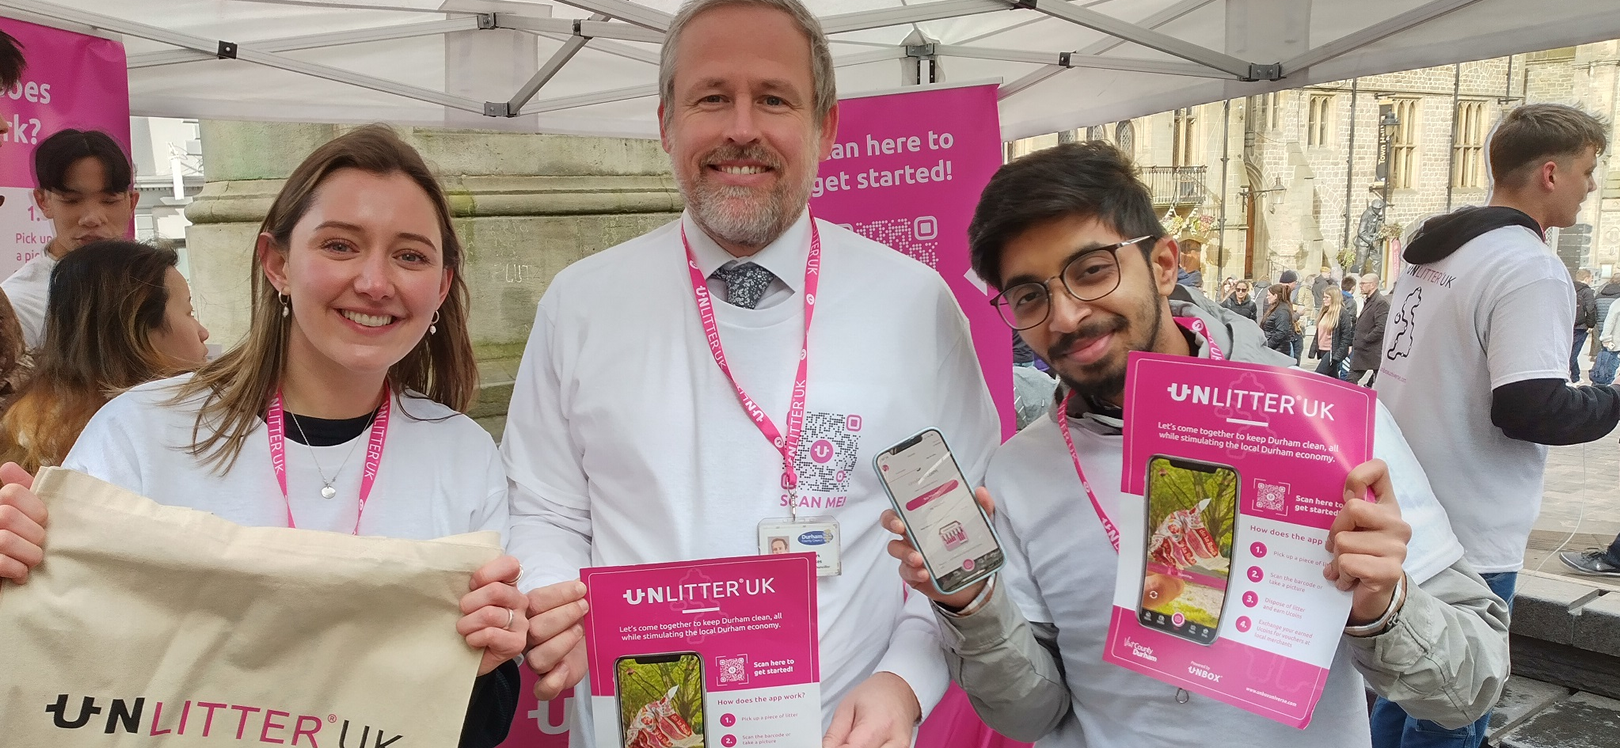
(827, 451)
(732, 669)
(1271, 497)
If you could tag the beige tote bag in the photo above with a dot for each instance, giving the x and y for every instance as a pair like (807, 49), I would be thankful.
(150, 625)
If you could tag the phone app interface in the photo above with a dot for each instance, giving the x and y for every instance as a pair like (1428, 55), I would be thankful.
(1191, 512)
(938, 504)
(661, 701)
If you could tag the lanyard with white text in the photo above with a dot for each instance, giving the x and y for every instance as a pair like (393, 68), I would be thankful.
(1191, 323)
(276, 421)
(787, 444)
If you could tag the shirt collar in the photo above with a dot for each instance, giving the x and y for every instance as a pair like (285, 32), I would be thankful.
(785, 257)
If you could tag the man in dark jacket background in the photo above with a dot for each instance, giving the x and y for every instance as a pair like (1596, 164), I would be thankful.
(1369, 342)
(1586, 318)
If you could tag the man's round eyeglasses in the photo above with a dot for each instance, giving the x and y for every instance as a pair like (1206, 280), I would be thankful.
(1089, 276)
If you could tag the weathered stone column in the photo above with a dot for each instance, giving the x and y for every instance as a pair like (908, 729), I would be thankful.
(525, 205)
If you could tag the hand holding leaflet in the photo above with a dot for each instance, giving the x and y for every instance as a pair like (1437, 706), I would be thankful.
(1368, 541)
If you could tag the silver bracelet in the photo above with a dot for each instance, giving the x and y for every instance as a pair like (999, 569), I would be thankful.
(979, 601)
(1396, 602)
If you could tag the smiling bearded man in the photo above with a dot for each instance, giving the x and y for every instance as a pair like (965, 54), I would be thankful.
(628, 441)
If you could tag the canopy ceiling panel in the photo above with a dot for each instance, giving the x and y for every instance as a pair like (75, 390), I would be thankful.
(590, 66)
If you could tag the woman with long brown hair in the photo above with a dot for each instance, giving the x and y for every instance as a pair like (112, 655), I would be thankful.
(119, 315)
(358, 334)
(1335, 331)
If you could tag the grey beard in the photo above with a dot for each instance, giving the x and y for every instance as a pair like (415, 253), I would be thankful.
(729, 215)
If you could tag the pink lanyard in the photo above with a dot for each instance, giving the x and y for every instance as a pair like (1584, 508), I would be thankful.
(276, 421)
(788, 445)
(1191, 323)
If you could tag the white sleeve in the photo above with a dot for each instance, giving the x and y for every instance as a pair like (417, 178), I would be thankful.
(1530, 331)
(106, 449)
(495, 513)
(1609, 324)
(1433, 547)
(917, 654)
(968, 419)
(965, 413)
(547, 487)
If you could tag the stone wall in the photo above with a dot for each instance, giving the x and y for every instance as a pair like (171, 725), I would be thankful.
(525, 206)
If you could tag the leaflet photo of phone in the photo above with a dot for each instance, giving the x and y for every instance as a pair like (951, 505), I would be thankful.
(660, 700)
(936, 503)
(1192, 511)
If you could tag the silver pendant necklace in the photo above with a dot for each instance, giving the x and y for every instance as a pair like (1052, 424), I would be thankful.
(327, 491)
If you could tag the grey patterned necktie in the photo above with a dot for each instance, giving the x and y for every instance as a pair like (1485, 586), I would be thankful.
(745, 283)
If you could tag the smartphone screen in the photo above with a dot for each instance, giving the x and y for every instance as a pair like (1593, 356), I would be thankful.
(1191, 513)
(937, 506)
(660, 700)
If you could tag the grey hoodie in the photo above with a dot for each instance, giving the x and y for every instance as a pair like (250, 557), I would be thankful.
(1444, 659)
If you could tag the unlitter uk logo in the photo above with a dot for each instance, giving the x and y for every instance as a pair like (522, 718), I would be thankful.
(210, 719)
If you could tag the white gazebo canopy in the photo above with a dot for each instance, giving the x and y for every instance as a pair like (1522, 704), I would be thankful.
(590, 66)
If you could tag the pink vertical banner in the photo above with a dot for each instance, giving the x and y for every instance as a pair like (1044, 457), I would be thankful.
(72, 80)
(906, 172)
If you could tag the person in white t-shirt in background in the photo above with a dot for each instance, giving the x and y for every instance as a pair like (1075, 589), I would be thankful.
(1070, 237)
(85, 185)
(359, 326)
(627, 442)
(1476, 353)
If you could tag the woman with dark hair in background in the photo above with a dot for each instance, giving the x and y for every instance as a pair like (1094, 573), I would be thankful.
(1278, 323)
(119, 315)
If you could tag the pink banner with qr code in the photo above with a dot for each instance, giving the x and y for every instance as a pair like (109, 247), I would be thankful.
(72, 81)
(906, 171)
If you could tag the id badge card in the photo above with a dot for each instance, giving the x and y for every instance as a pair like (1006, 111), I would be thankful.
(818, 535)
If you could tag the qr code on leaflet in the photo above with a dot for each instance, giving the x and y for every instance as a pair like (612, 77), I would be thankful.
(733, 669)
(827, 451)
(1270, 497)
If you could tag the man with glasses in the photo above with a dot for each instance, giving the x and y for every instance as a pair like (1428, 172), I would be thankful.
(1070, 236)
(1241, 303)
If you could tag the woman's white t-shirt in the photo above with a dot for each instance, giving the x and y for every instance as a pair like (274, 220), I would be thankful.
(439, 475)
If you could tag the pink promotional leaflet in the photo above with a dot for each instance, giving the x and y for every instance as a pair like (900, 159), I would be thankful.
(73, 80)
(720, 653)
(1273, 446)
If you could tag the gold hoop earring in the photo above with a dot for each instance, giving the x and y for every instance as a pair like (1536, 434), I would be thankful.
(286, 305)
(433, 327)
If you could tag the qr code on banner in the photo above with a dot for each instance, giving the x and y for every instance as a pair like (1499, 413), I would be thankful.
(1271, 497)
(827, 451)
(916, 238)
(732, 669)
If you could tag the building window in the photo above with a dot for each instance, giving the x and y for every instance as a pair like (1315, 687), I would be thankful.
(1267, 111)
(1403, 160)
(1125, 137)
(1096, 132)
(1468, 149)
(1184, 139)
(1319, 122)
(1065, 136)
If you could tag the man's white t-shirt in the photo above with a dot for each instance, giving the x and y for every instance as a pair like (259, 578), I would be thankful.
(625, 444)
(29, 289)
(1499, 310)
(439, 475)
(1061, 569)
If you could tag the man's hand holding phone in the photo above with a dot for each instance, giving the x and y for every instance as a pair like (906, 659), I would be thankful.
(915, 573)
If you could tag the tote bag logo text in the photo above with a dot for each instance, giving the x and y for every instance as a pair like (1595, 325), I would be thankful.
(217, 719)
